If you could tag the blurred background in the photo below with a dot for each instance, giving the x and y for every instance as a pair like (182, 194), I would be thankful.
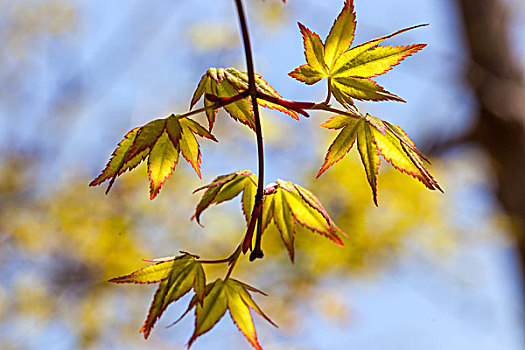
(424, 270)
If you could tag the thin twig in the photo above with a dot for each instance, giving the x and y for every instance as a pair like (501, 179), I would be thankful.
(219, 102)
(232, 257)
(258, 130)
(219, 261)
(324, 107)
(329, 95)
(230, 270)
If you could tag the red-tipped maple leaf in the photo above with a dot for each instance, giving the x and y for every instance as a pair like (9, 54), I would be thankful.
(350, 69)
(160, 141)
(177, 276)
(285, 203)
(376, 137)
(290, 204)
(228, 82)
(220, 296)
(227, 187)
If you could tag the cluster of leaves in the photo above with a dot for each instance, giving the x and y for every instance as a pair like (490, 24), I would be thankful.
(162, 140)
(349, 72)
(177, 276)
(285, 203)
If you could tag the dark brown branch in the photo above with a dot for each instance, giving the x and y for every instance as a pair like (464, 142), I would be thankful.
(329, 94)
(497, 82)
(252, 89)
(223, 101)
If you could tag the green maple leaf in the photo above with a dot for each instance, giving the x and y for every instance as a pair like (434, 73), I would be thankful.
(227, 187)
(290, 204)
(286, 203)
(160, 141)
(350, 70)
(220, 296)
(376, 137)
(227, 82)
(177, 276)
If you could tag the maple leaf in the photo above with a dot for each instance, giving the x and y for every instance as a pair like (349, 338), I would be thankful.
(160, 141)
(177, 276)
(376, 137)
(227, 187)
(290, 204)
(285, 203)
(228, 82)
(222, 295)
(349, 69)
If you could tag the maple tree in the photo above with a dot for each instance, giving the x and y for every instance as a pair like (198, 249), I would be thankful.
(349, 72)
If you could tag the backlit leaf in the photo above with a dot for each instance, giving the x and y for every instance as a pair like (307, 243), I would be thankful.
(342, 143)
(267, 211)
(222, 295)
(232, 188)
(190, 149)
(403, 137)
(179, 282)
(354, 52)
(174, 130)
(210, 194)
(199, 91)
(341, 97)
(377, 60)
(211, 311)
(156, 308)
(367, 147)
(310, 213)
(313, 49)
(118, 164)
(240, 110)
(239, 80)
(242, 289)
(211, 113)
(160, 141)
(147, 135)
(184, 281)
(306, 74)
(315, 204)
(362, 89)
(377, 123)
(341, 34)
(228, 82)
(290, 204)
(150, 274)
(176, 275)
(200, 284)
(161, 162)
(350, 68)
(196, 128)
(402, 157)
(240, 313)
(284, 221)
(374, 137)
(248, 200)
(227, 187)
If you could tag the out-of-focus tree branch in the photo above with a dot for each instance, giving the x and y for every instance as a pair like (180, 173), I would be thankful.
(496, 80)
